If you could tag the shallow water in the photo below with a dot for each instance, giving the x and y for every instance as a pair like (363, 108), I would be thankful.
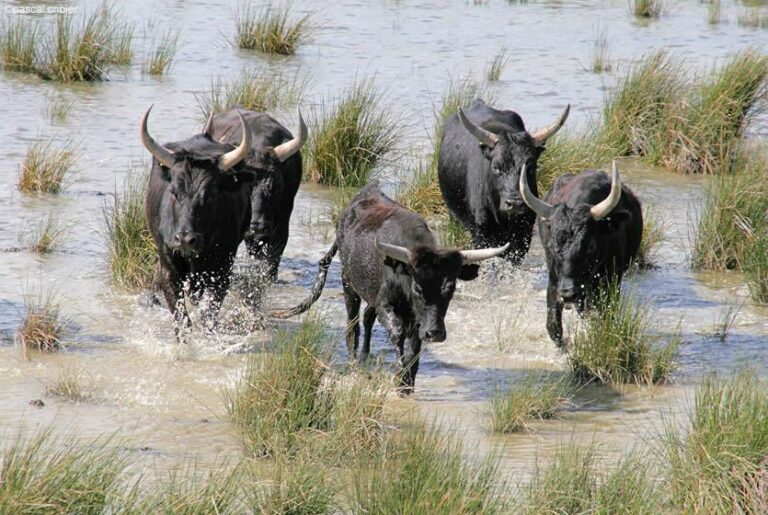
(168, 401)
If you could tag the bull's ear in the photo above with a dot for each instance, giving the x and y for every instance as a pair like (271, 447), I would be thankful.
(469, 272)
(233, 182)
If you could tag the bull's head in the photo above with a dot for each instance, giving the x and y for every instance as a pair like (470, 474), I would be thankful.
(196, 171)
(433, 276)
(579, 237)
(267, 194)
(508, 151)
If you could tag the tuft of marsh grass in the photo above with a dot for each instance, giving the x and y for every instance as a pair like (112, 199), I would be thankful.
(704, 137)
(162, 52)
(271, 30)
(43, 326)
(188, 491)
(569, 152)
(498, 64)
(647, 8)
(347, 141)
(255, 89)
(726, 320)
(423, 470)
(653, 235)
(44, 236)
(537, 397)
(421, 192)
(18, 40)
(305, 488)
(507, 325)
(753, 18)
(717, 465)
(635, 114)
(132, 253)
(617, 346)
(732, 231)
(45, 167)
(67, 383)
(288, 402)
(714, 12)
(46, 474)
(450, 233)
(600, 59)
(572, 483)
(58, 107)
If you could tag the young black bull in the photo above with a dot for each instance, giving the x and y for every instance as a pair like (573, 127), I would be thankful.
(480, 164)
(389, 259)
(276, 156)
(591, 227)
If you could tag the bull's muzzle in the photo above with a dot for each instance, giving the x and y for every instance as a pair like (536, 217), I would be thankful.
(432, 334)
(187, 241)
(568, 292)
(515, 207)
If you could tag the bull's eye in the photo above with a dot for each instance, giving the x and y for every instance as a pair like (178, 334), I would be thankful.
(173, 193)
(417, 289)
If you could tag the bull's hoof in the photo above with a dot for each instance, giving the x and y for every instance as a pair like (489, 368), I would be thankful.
(149, 300)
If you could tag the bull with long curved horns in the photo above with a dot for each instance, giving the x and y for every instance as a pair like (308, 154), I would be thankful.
(590, 226)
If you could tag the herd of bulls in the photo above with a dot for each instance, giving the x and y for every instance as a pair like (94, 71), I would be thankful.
(237, 180)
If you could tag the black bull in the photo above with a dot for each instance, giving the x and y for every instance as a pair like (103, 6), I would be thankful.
(198, 208)
(390, 260)
(481, 158)
(591, 227)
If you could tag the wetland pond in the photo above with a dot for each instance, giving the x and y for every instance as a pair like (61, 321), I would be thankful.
(167, 401)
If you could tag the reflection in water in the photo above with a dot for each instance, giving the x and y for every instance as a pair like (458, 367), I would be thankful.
(167, 400)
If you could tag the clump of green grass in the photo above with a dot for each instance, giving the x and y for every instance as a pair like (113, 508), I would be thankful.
(572, 483)
(302, 489)
(635, 115)
(600, 59)
(647, 8)
(68, 383)
(753, 18)
(498, 64)
(271, 29)
(162, 52)
(422, 470)
(44, 236)
(653, 236)
(58, 107)
(617, 346)
(537, 397)
(450, 233)
(18, 41)
(288, 403)
(43, 326)
(714, 467)
(569, 152)
(732, 231)
(347, 141)
(43, 474)
(421, 192)
(507, 324)
(131, 250)
(255, 89)
(705, 136)
(714, 12)
(45, 167)
(188, 491)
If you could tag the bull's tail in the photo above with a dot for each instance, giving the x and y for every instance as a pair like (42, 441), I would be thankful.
(317, 288)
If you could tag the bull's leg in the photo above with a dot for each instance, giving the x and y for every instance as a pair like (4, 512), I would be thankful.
(352, 302)
(218, 290)
(409, 363)
(369, 317)
(170, 283)
(554, 313)
(394, 326)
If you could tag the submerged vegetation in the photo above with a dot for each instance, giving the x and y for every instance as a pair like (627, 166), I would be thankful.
(753, 18)
(132, 253)
(537, 397)
(497, 66)
(44, 236)
(68, 383)
(43, 326)
(255, 89)
(647, 8)
(350, 139)
(618, 347)
(162, 52)
(271, 29)
(45, 167)
(600, 59)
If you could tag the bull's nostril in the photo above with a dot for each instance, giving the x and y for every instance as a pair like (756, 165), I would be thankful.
(191, 240)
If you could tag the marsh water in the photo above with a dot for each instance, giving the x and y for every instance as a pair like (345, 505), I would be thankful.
(167, 401)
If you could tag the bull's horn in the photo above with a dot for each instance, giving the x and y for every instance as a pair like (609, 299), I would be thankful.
(473, 256)
(233, 157)
(395, 252)
(540, 137)
(208, 129)
(162, 154)
(485, 137)
(285, 150)
(540, 207)
(604, 208)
